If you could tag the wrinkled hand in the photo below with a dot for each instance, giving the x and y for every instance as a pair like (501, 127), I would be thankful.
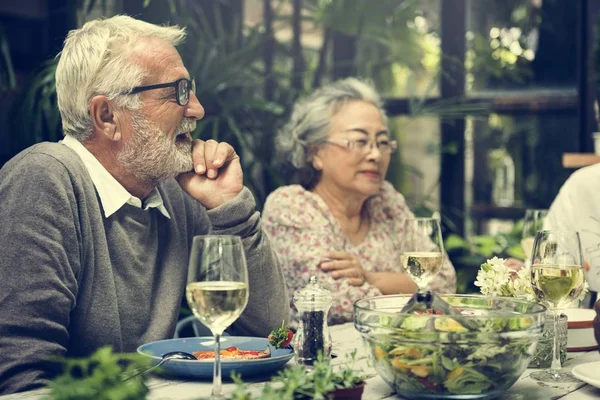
(514, 264)
(341, 264)
(218, 175)
(597, 322)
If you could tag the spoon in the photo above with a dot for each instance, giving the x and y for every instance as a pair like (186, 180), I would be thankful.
(174, 355)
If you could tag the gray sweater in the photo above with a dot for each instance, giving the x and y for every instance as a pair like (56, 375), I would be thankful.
(73, 281)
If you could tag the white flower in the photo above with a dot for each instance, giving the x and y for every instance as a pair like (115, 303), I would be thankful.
(494, 279)
(521, 284)
(492, 276)
(497, 264)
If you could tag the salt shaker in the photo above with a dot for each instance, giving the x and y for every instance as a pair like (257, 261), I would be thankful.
(312, 337)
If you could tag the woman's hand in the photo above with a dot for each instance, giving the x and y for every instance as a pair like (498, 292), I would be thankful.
(514, 264)
(341, 264)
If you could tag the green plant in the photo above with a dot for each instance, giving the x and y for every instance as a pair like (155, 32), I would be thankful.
(36, 116)
(597, 68)
(229, 80)
(7, 74)
(100, 377)
(300, 383)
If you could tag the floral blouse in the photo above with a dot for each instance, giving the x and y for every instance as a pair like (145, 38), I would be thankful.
(302, 229)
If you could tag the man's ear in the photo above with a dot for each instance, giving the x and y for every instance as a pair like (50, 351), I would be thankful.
(103, 117)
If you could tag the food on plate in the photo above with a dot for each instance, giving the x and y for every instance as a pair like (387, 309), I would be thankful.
(233, 353)
(281, 337)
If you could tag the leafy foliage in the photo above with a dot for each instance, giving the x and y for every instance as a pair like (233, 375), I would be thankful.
(229, 61)
(7, 74)
(300, 383)
(36, 110)
(100, 377)
(597, 68)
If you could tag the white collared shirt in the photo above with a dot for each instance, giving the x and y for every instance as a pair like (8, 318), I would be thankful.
(112, 194)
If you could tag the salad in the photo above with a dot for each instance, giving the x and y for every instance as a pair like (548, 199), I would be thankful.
(436, 355)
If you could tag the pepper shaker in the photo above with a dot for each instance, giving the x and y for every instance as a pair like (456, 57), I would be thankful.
(312, 337)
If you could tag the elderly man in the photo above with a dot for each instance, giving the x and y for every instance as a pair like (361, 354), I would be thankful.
(96, 232)
(575, 208)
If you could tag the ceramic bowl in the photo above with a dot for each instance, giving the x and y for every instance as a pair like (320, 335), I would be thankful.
(580, 335)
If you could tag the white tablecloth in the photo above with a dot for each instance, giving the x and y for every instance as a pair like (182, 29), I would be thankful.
(345, 339)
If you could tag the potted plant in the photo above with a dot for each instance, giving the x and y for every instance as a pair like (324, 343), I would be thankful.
(322, 381)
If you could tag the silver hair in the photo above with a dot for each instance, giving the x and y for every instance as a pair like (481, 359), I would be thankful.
(95, 60)
(308, 126)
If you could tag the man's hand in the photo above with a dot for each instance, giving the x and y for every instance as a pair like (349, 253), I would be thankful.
(344, 265)
(217, 176)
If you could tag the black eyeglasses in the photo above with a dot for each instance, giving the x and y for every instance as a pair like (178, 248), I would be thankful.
(182, 86)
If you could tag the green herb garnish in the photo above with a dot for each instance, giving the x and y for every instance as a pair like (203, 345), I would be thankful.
(281, 337)
(101, 377)
(300, 382)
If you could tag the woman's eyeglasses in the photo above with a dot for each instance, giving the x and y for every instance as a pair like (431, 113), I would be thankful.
(364, 146)
(182, 86)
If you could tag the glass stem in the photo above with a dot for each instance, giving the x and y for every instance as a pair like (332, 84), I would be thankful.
(216, 389)
(555, 367)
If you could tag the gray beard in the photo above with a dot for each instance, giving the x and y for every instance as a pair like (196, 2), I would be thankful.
(152, 156)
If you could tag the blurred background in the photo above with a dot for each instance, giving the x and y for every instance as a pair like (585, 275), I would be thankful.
(484, 96)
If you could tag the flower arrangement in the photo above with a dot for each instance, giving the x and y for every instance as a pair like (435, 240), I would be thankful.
(496, 279)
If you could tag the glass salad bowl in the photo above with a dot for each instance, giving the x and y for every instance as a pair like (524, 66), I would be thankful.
(426, 355)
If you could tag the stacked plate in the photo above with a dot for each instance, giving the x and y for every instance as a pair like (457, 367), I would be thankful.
(581, 329)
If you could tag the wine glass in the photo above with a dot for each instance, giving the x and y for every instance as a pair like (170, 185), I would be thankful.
(217, 288)
(557, 278)
(533, 222)
(423, 250)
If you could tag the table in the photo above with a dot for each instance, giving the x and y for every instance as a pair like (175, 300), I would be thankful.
(345, 339)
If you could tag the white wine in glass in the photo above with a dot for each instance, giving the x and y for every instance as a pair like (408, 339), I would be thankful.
(423, 250)
(217, 289)
(557, 278)
(217, 304)
(557, 284)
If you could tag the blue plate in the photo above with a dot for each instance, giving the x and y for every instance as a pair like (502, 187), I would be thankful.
(204, 368)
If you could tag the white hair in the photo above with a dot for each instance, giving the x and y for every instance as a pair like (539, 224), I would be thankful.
(308, 126)
(95, 61)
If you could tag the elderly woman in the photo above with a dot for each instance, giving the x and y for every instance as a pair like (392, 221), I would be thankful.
(342, 221)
